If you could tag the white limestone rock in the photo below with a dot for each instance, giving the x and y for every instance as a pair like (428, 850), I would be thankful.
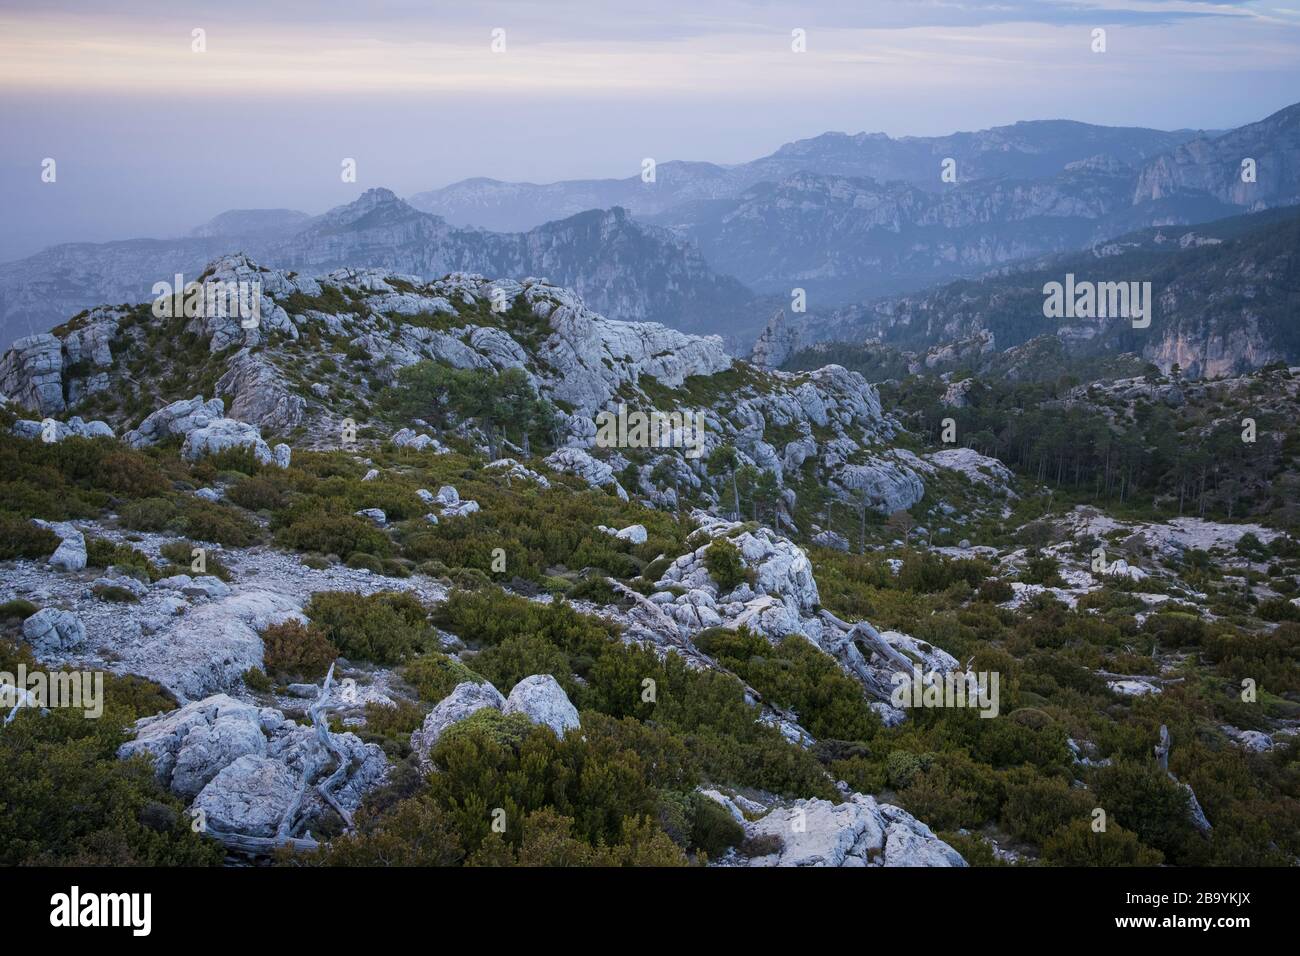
(75, 426)
(70, 555)
(178, 418)
(223, 434)
(52, 631)
(575, 461)
(207, 650)
(636, 534)
(464, 700)
(858, 832)
(543, 701)
(249, 796)
(979, 469)
(513, 469)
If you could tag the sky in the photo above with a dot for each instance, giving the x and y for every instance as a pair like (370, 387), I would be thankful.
(152, 136)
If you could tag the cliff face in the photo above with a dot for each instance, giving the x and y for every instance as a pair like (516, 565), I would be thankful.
(1223, 297)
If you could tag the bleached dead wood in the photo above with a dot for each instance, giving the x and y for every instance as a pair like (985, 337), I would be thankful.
(261, 846)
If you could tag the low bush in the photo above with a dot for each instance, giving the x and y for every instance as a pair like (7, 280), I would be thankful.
(148, 514)
(19, 538)
(723, 561)
(385, 628)
(293, 651)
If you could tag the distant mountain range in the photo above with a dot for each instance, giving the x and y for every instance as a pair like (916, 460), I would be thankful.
(1225, 293)
(623, 268)
(716, 249)
(1028, 150)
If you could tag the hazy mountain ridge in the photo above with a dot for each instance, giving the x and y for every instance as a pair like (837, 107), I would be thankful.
(1028, 149)
(627, 269)
(1224, 293)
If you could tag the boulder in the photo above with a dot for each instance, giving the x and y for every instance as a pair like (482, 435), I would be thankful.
(51, 630)
(223, 434)
(25, 428)
(178, 418)
(249, 796)
(888, 484)
(513, 469)
(31, 372)
(204, 586)
(208, 749)
(636, 534)
(227, 754)
(543, 701)
(464, 700)
(70, 555)
(123, 581)
(831, 539)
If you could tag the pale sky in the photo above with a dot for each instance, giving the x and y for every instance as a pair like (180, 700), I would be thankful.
(152, 138)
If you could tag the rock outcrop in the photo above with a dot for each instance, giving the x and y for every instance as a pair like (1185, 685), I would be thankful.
(243, 767)
(858, 832)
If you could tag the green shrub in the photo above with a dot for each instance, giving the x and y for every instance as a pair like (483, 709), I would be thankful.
(506, 730)
(713, 829)
(1142, 798)
(764, 844)
(181, 555)
(210, 521)
(417, 832)
(723, 561)
(102, 553)
(17, 610)
(1077, 844)
(1036, 807)
(995, 591)
(1278, 609)
(520, 656)
(258, 493)
(435, 675)
(385, 628)
(796, 675)
(334, 534)
(114, 592)
(1043, 569)
(148, 514)
(69, 800)
(293, 651)
(19, 538)
(365, 562)
(391, 726)
(257, 680)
